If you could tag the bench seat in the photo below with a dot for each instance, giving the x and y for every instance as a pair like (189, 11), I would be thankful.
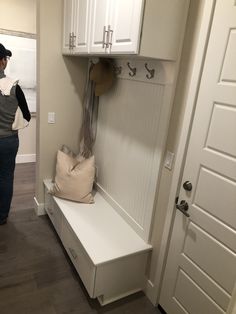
(107, 253)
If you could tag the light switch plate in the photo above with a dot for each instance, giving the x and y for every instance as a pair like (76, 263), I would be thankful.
(169, 160)
(51, 117)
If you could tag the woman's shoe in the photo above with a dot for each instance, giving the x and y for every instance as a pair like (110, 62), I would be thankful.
(3, 221)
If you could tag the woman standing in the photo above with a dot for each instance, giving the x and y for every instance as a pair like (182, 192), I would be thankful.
(11, 96)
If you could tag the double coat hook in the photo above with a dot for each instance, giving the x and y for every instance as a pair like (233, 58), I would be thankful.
(118, 70)
(150, 72)
(133, 70)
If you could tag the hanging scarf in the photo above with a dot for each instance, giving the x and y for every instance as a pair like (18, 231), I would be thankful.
(89, 123)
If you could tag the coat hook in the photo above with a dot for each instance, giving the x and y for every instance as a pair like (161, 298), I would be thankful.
(118, 70)
(94, 60)
(151, 73)
(133, 70)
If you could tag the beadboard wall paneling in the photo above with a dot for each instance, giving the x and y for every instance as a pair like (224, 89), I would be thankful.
(126, 150)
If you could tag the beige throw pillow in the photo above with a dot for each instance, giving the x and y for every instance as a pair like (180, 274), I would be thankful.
(74, 178)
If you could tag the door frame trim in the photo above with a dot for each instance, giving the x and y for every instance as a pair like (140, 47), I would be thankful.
(192, 93)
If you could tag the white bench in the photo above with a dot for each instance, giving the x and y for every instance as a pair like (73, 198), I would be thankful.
(106, 252)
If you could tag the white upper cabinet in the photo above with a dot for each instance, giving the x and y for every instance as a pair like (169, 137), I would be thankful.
(76, 26)
(151, 28)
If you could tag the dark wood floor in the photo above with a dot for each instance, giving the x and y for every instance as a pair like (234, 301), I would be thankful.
(36, 276)
(24, 186)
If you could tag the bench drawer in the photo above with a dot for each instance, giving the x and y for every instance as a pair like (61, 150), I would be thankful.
(79, 258)
(53, 212)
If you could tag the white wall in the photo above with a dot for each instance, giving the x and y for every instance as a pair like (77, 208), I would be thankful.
(191, 36)
(60, 89)
(27, 147)
(20, 16)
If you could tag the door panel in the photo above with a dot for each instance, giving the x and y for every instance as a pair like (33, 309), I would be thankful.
(68, 24)
(211, 200)
(227, 75)
(126, 22)
(223, 126)
(200, 270)
(99, 19)
(213, 290)
(81, 26)
(214, 226)
(187, 296)
(198, 244)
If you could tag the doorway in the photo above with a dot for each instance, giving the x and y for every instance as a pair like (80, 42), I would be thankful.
(200, 273)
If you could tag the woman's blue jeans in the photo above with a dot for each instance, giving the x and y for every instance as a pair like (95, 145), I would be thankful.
(8, 150)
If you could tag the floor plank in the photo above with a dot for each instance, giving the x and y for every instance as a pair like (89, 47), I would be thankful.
(24, 186)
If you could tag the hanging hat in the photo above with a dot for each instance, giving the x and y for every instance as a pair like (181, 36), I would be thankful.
(4, 52)
(102, 73)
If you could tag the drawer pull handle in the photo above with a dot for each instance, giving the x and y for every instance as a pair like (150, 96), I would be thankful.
(104, 34)
(73, 40)
(70, 41)
(73, 253)
(110, 35)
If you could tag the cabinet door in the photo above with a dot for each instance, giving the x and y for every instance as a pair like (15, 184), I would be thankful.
(126, 22)
(67, 26)
(81, 26)
(99, 20)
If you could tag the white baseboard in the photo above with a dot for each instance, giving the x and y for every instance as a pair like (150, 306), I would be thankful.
(39, 208)
(20, 159)
(150, 292)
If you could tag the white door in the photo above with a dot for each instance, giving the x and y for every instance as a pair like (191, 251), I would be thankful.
(67, 25)
(81, 26)
(125, 22)
(200, 272)
(99, 25)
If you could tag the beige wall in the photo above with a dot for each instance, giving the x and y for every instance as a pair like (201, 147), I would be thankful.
(60, 89)
(192, 31)
(27, 139)
(18, 15)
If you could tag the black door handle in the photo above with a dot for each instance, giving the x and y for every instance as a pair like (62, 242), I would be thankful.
(183, 207)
